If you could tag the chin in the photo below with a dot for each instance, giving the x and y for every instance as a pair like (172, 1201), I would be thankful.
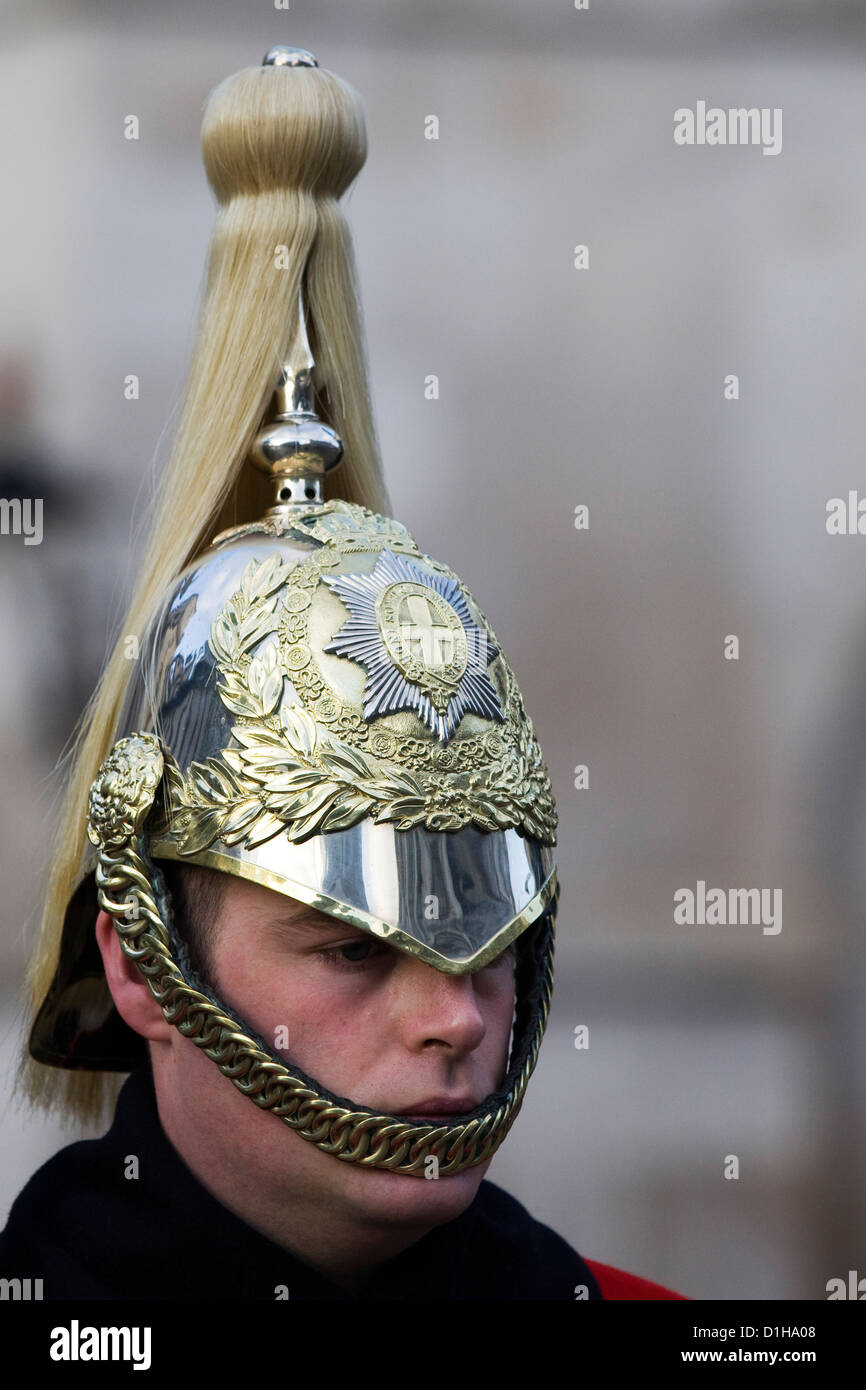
(398, 1199)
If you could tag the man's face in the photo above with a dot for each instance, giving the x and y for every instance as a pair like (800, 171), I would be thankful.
(369, 1023)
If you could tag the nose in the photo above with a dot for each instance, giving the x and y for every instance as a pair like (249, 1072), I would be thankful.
(437, 1010)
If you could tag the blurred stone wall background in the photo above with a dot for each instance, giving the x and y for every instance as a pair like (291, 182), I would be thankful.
(558, 387)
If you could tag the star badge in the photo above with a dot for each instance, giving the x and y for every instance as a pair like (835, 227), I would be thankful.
(412, 631)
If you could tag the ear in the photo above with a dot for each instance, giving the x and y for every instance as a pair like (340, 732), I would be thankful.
(132, 998)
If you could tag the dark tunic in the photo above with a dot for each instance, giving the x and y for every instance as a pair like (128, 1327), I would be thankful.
(89, 1233)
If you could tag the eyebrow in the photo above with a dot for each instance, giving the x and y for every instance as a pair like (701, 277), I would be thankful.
(302, 923)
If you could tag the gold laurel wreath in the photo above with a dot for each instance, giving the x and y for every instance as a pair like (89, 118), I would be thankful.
(120, 801)
(290, 774)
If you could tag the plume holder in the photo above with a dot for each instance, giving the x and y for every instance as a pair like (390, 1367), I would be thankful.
(295, 448)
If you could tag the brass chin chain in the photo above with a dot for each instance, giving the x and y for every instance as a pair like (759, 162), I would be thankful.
(124, 879)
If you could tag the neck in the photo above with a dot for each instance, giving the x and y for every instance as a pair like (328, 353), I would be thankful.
(340, 1220)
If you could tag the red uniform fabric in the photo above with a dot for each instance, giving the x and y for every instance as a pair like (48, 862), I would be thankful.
(615, 1283)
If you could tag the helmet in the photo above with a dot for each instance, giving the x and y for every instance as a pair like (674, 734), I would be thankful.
(318, 707)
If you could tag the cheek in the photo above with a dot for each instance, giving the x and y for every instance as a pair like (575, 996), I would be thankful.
(285, 1001)
(500, 1013)
(259, 990)
(496, 997)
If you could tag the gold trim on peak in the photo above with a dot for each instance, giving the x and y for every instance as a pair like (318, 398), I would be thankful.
(356, 917)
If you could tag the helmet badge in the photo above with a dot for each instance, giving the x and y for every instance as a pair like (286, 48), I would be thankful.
(418, 642)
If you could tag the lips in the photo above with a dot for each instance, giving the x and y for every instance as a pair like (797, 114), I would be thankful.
(439, 1108)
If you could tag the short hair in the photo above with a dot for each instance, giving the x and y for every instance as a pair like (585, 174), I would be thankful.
(196, 899)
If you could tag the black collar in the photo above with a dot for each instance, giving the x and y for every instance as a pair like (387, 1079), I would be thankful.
(98, 1232)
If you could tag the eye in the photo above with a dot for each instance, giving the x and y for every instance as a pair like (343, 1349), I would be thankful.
(354, 954)
(508, 957)
(356, 951)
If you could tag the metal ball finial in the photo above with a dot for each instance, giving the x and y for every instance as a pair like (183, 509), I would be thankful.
(283, 55)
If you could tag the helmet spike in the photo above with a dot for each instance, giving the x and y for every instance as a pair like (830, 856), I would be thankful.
(295, 449)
